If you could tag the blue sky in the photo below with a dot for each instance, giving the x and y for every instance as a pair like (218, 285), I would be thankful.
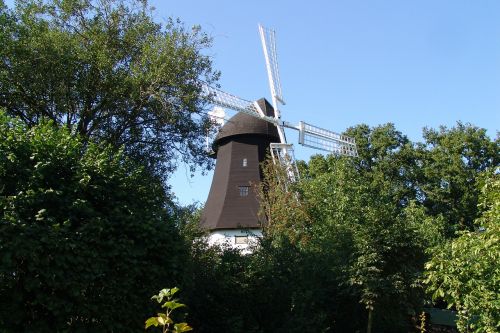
(342, 63)
(346, 62)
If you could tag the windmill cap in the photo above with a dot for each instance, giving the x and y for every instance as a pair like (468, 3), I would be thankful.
(245, 124)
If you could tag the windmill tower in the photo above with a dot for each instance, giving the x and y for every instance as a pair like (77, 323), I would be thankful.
(231, 212)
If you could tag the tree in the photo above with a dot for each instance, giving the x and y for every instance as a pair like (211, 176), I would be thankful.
(282, 212)
(85, 235)
(385, 241)
(451, 161)
(440, 173)
(357, 237)
(108, 72)
(465, 272)
(370, 205)
(385, 150)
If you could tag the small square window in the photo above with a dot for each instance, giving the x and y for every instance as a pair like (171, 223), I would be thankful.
(240, 239)
(244, 190)
(245, 162)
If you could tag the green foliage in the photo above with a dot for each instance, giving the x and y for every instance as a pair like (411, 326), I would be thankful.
(422, 323)
(451, 160)
(363, 221)
(188, 222)
(351, 238)
(465, 272)
(216, 289)
(304, 282)
(387, 156)
(165, 319)
(84, 231)
(385, 241)
(343, 249)
(279, 288)
(107, 71)
(285, 214)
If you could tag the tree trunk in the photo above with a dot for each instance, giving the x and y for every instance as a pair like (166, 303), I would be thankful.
(370, 320)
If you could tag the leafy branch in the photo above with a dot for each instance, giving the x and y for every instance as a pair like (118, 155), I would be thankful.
(165, 319)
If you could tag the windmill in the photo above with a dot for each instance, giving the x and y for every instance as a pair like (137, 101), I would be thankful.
(231, 210)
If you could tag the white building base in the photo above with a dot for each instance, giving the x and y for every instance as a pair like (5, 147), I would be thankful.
(242, 239)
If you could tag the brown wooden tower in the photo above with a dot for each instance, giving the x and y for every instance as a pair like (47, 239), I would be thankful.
(232, 207)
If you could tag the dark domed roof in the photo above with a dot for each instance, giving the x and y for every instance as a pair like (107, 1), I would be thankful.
(244, 124)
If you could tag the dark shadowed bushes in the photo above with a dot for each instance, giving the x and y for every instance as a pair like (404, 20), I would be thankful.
(85, 236)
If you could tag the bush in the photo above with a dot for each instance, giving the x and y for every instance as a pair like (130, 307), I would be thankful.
(85, 237)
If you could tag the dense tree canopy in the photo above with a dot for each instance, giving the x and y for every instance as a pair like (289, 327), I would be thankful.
(370, 218)
(108, 72)
(465, 272)
(385, 242)
(451, 160)
(106, 101)
(84, 234)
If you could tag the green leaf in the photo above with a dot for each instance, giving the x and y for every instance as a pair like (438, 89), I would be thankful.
(165, 318)
(172, 305)
(182, 327)
(153, 321)
(173, 291)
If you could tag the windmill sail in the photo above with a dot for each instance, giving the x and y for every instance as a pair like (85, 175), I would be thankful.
(217, 118)
(320, 138)
(267, 37)
(226, 100)
(309, 135)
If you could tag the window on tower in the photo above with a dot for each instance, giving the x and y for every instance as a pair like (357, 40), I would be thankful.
(244, 190)
(245, 162)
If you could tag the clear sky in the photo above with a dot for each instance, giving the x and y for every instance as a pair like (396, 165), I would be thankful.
(346, 62)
